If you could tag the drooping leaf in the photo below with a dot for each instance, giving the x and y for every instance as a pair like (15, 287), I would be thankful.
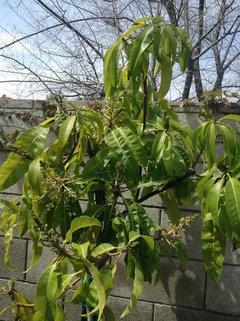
(140, 44)
(137, 287)
(158, 146)
(81, 293)
(46, 294)
(213, 249)
(184, 48)
(101, 295)
(213, 200)
(210, 144)
(25, 217)
(36, 245)
(166, 77)
(232, 197)
(230, 142)
(65, 130)
(34, 174)
(111, 61)
(7, 241)
(12, 170)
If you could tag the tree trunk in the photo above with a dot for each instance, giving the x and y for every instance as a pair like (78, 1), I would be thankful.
(188, 80)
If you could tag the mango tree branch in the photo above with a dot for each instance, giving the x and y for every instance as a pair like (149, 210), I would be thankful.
(168, 185)
(68, 25)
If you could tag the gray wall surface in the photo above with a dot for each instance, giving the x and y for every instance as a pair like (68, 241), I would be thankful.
(183, 294)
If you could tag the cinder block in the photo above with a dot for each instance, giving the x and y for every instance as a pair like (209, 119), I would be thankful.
(190, 119)
(194, 108)
(225, 296)
(191, 238)
(37, 104)
(232, 256)
(17, 258)
(121, 286)
(182, 286)
(17, 103)
(232, 109)
(142, 312)
(34, 274)
(168, 313)
(155, 215)
(73, 311)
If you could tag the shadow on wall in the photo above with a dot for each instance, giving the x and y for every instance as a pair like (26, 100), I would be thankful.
(193, 297)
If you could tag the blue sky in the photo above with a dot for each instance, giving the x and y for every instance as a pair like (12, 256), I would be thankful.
(8, 21)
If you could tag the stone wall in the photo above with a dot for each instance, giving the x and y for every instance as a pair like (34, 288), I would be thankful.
(182, 294)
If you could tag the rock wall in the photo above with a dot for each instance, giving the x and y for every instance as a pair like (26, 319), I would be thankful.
(182, 294)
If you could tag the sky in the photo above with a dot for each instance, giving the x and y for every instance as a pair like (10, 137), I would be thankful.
(8, 20)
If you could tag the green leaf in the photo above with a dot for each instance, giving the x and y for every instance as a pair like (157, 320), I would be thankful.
(152, 263)
(82, 249)
(210, 144)
(81, 222)
(166, 77)
(65, 130)
(46, 294)
(230, 142)
(12, 170)
(170, 202)
(129, 147)
(157, 47)
(140, 44)
(96, 167)
(9, 206)
(34, 174)
(213, 249)
(7, 241)
(110, 70)
(22, 313)
(213, 200)
(101, 295)
(81, 293)
(199, 136)
(36, 245)
(232, 197)
(158, 146)
(231, 116)
(138, 284)
(103, 248)
(184, 48)
(25, 217)
(168, 159)
(32, 140)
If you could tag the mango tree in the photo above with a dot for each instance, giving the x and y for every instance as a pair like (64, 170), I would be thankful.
(116, 155)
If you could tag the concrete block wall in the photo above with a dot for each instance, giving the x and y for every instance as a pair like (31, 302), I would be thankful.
(183, 293)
